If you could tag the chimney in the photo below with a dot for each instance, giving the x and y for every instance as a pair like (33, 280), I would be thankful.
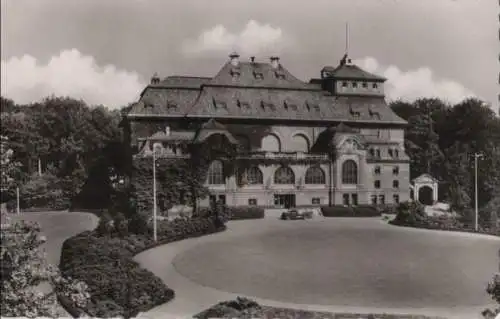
(167, 130)
(252, 59)
(234, 58)
(275, 62)
(155, 79)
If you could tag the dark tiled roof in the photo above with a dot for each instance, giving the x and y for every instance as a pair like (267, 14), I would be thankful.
(176, 81)
(254, 74)
(224, 102)
(163, 101)
(173, 136)
(351, 71)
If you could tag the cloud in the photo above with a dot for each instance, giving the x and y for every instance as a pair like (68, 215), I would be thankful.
(253, 39)
(413, 84)
(72, 74)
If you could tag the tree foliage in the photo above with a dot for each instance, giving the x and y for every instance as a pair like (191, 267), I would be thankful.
(24, 269)
(441, 140)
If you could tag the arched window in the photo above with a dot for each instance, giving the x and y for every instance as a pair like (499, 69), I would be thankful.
(271, 143)
(254, 176)
(284, 175)
(315, 175)
(300, 143)
(216, 173)
(349, 172)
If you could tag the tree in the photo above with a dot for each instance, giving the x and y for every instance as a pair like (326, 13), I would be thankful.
(24, 268)
(8, 169)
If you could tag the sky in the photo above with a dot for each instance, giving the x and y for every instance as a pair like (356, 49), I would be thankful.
(105, 51)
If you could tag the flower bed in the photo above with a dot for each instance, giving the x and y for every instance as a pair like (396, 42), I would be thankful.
(413, 215)
(246, 308)
(350, 211)
(117, 284)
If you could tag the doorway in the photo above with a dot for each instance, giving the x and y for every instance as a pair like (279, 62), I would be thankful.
(284, 200)
(425, 195)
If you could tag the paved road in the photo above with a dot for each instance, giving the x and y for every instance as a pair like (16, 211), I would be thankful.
(347, 263)
(57, 227)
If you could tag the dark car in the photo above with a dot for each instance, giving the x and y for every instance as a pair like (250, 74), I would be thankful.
(292, 214)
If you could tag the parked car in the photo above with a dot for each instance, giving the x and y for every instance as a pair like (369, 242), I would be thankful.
(292, 214)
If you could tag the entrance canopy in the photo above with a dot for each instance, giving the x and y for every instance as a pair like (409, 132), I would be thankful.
(425, 189)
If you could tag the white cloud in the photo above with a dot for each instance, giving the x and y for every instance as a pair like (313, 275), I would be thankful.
(413, 84)
(253, 39)
(72, 74)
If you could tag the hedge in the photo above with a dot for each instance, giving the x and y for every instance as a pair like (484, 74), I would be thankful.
(117, 284)
(237, 213)
(350, 211)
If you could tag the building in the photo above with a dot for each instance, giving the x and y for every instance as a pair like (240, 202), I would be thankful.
(332, 140)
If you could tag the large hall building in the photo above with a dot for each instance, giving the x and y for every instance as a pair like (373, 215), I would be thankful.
(330, 141)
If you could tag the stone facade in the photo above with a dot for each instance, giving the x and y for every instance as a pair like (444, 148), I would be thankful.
(285, 129)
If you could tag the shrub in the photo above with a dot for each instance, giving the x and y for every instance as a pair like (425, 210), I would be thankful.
(366, 211)
(138, 224)
(239, 308)
(337, 211)
(245, 212)
(117, 284)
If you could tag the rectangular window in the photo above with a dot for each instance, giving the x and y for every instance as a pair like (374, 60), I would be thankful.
(390, 153)
(395, 198)
(377, 170)
(354, 198)
(222, 199)
(365, 85)
(381, 199)
(374, 199)
(378, 153)
(376, 184)
(395, 184)
(316, 201)
(395, 170)
(346, 199)
(252, 201)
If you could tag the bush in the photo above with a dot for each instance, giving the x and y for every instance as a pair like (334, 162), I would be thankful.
(239, 308)
(117, 284)
(245, 212)
(350, 211)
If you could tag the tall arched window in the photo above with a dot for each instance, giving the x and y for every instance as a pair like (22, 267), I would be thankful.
(254, 176)
(216, 173)
(315, 175)
(349, 172)
(300, 143)
(271, 143)
(284, 175)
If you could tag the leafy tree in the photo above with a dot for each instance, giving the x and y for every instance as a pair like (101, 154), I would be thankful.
(24, 268)
(8, 169)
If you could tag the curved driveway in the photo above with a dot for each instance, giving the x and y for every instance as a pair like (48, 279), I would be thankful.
(57, 227)
(331, 265)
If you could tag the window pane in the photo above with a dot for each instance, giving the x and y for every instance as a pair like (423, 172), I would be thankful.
(349, 172)
(315, 175)
(284, 175)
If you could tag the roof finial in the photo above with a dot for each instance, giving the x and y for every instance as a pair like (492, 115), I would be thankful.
(347, 38)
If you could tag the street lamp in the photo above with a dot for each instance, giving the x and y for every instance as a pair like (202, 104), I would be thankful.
(155, 147)
(476, 157)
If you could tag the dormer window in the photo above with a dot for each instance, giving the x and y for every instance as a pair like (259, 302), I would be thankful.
(258, 75)
(267, 105)
(219, 104)
(354, 113)
(365, 85)
(171, 105)
(374, 114)
(354, 84)
(390, 153)
(344, 84)
(235, 72)
(312, 106)
(279, 75)
(374, 85)
(288, 106)
(148, 104)
(242, 104)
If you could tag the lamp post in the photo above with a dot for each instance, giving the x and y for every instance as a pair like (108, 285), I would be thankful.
(476, 222)
(154, 194)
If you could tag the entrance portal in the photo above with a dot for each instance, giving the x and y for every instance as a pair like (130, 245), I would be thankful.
(425, 195)
(284, 200)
